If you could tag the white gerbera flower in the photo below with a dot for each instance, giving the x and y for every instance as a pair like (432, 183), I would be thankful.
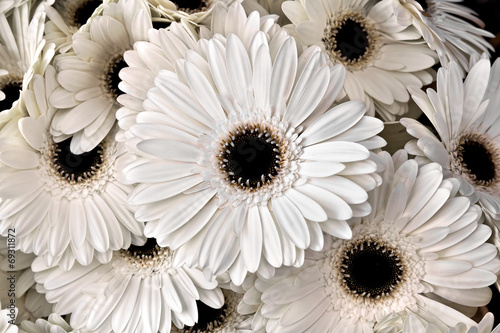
(15, 270)
(53, 324)
(420, 247)
(62, 205)
(21, 44)
(7, 319)
(137, 291)
(442, 24)
(382, 57)
(240, 157)
(88, 105)
(468, 125)
(66, 18)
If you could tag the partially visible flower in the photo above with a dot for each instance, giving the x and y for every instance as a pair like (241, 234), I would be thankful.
(422, 247)
(408, 321)
(15, 269)
(445, 26)
(137, 291)
(225, 319)
(87, 106)
(21, 44)
(484, 326)
(465, 116)
(62, 205)
(267, 7)
(7, 317)
(65, 18)
(382, 57)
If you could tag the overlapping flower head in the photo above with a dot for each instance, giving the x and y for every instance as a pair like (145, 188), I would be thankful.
(422, 247)
(382, 57)
(87, 106)
(15, 271)
(21, 44)
(6, 325)
(466, 120)
(447, 28)
(139, 290)
(62, 206)
(241, 157)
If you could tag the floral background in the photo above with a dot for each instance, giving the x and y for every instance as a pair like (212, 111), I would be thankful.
(249, 166)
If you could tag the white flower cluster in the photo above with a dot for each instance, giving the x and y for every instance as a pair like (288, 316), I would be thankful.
(225, 166)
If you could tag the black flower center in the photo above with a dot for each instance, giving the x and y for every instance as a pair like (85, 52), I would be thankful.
(190, 5)
(149, 249)
(12, 91)
(478, 161)
(112, 79)
(351, 40)
(252, 158)
(371, 270)
(208, 318)
(75, 167)
(85, 10)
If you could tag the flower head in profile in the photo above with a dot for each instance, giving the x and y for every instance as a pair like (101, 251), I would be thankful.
(382, 57)
(464, 115)
(63, 206)
(422, 247)
(241, 156)
(139, 290)
(447, 27)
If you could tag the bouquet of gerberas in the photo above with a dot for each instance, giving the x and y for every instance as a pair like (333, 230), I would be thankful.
(225, 166)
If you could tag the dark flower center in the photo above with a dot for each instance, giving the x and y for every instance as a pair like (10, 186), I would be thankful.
(371, 269)
(112, 78)
(12, 91)
(478, 161)
(149, 249)
(85, 11)
(75, 167)
(350, 39)
(190, 5)
(252, 158)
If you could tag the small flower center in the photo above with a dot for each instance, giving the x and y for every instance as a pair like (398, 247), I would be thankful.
(147, 259)
(12, 90)
(76, 12)
(148, 250)
(371, 269)
(479, 159)
(76, 168)
(251, 157)
(350, 39)
(110, 78)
